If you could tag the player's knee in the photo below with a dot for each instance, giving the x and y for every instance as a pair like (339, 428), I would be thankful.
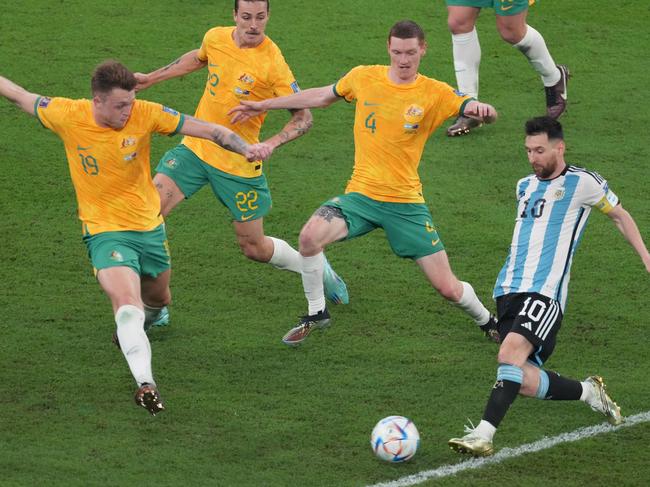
(459, 25)
(450, 291)
(308, 243)
(512, 35)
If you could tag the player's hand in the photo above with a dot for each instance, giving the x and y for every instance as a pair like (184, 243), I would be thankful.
(484, 112)
(258, 152)
(245, 111)
(143, 81)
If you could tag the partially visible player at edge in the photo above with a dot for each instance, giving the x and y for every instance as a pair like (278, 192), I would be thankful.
(511, 23)
(107, 142)
(397, 109)
(243, 64)
(553, 206)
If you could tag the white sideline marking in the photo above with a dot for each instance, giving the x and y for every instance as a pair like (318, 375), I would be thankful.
(507, 453)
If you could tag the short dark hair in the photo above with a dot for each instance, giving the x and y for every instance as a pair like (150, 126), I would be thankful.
(112, 74)
(268, 4)
(406, 29)
(545, 125)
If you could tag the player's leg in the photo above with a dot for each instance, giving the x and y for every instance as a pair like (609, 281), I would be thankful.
(513, 353)
(412, 234)
(179, 174)
(513, 28)
(466, 50)
(549, 385)
(116, 258)
(155, 274)
(325, 226)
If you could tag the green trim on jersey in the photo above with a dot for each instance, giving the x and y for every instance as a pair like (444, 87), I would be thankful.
(461, 110)
(179, 126)
(38, 99)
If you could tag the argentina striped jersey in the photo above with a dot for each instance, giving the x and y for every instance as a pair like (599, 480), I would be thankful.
(551, 218)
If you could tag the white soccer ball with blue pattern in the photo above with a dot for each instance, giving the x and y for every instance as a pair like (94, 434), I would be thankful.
(395, 439)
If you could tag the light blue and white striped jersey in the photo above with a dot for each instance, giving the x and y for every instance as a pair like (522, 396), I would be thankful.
(551, 217)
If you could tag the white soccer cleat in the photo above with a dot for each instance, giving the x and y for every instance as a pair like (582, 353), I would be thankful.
(601, 402)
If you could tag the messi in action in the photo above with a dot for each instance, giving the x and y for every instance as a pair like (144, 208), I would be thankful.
(553, 206)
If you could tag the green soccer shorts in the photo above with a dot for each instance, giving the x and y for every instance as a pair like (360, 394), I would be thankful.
(147, 253)
(409, 227)
(501, 7)
(246, 198)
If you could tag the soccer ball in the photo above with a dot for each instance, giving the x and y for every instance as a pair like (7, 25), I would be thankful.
(395, 439)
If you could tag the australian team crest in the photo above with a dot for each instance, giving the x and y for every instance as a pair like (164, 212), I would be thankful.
(413, 115)
(244, 85)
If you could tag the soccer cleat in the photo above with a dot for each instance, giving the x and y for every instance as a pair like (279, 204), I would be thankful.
(472, 444)
(491, 329)
(556, 95)
(601, 402)
(147, 396)
(162, 319)
(299, 333)
(462, 126)
(335, 289)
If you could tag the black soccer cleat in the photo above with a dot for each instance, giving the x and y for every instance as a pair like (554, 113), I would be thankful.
(147, 396)
(491, 329)
(556, 95)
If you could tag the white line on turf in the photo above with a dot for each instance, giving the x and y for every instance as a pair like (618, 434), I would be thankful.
(507, 453)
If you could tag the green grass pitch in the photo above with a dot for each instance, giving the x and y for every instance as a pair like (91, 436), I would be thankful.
(243, 409)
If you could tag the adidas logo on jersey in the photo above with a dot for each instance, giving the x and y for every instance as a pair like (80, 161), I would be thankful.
(528, 325)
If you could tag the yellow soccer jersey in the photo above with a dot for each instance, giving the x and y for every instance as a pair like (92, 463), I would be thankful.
(392, 123)
(236, 74)
(110, 168)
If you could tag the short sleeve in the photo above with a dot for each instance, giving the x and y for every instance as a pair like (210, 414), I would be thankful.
(452, 102)
(164, 120)
(52, 112)
(284, 82)
(598, 193)
(203, 50)
(345, 87)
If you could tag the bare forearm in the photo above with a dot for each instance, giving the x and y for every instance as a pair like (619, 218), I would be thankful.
(627, 226)
(311, 98)
(229, 140)
(187, 63)
(300, 123)
(17, 95)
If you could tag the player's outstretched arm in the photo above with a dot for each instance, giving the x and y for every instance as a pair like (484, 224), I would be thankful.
(225, 138)
(17, 95)
(311, 98)
(187, 63)
(300, 123)
(627, 226)
(480, 111)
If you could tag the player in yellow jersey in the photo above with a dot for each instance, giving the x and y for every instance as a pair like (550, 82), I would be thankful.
(511, 24)
(397, 109)
(243, 64)
(107, 142)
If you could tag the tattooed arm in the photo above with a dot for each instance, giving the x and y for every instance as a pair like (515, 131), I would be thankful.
(300, 123)
(187, 63)
(225, 138)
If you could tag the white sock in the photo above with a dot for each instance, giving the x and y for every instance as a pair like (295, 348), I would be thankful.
(134, 342)
(471, 305)
(486, 430)
(534, 48)
(587, 392)
(312, 282)
(285, 257)
(467, 58)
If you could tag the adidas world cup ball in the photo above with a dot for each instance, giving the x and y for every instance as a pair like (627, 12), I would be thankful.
(395, 439)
